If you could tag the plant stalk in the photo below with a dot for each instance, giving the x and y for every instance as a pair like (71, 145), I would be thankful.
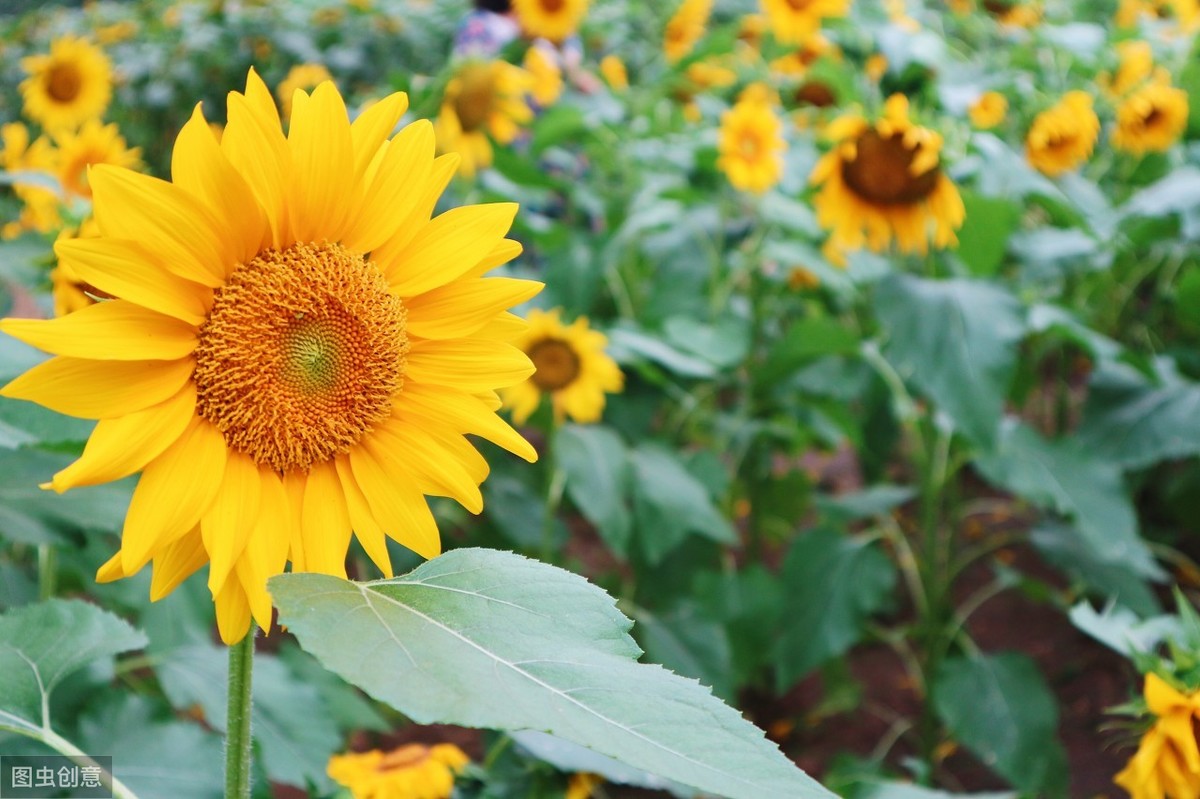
(237, 723)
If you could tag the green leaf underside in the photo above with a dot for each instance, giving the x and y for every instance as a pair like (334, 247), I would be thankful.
(597, 469)
(482, 638)
(41, 644)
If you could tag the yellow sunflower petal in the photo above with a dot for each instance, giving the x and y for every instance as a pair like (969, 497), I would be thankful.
(176, 562)
(390, 200)
(372, 128)
(322, 159)
(293, 489)
(444, 168)
(464, 413)
(460, 308)
(369, 533)
(233, 612)
(467, 364)
(395, 503)
(254, 583)
(119, 447)
(253, 142)
(111, 570)
(231, 518)
(441, 467)
(449, 246)
(325, 525)
(114, 330)
(100, 389)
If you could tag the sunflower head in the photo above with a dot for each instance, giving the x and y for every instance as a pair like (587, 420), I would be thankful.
(1062, 137)
(883, 182)
(483, 97)
(1151, 119)
(292, 347)
(1135, 63)
(685, 28)
(92, 144)
(751, 143)
(556, 20)
(988, 110)
(67, 86)
(412, 770)
(1167, 761)
(40, 205)
(546, 75)
(794, 21)
(570, 366)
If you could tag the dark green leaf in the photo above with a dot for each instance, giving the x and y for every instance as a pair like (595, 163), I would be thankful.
(1134, 424)
(669, 503)
(597, 468)
(984, 235)
(688, 644)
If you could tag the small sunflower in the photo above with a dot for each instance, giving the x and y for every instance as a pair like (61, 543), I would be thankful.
(751, 30)
(1151, 119)
(546, 75)
(1167, 762)
(1135, 63)
(67, 86)
(92, 144)
(413, 771)
(297, 350)
(797, 62)
(1062, 137)
(989, 110)
(794, 21)
(876, 67)
(583, 785)
(570, 366)
(751, 144)
(556, 20)
(1015, 13)
(612, 69)
(685, 28)
(40, 204)
(304, 77)
(483, 97)
(884, 182)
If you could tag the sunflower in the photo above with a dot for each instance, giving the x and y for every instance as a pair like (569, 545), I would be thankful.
(794, 21)
(1167, 762)
(1151, 119)
(1135, 63)
(67, 86)
(1062, 137)
(300, 77)
(685, 28)
(612, 69)
(413, 771)
(751, 29)
(884, 182)
(988, 110)
(751, 144)
(297, 350)
(547, 78)
(556, 20)
(570, 365)
(40, 204)
(1015, 13)
(797, 62)
(582, 785)
(92, 144)
(483, 97)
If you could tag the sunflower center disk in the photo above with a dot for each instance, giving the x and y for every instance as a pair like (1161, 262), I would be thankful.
(475, 98)
(553, 6)
(799, 5)
(880, 172)
(556, 362)
(301, 355)
(63, 82)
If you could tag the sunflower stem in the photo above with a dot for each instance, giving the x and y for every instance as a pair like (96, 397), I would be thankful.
(237, 730)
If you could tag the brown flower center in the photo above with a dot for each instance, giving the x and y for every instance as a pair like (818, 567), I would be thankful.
(553, 6)
(476, 97)
(63, 82)
(999, 7)
(799, 5)
(816, 94)
(556, 362)
(880, 171)
(301, 355)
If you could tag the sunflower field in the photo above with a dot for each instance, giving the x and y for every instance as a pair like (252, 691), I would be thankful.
(554, 399)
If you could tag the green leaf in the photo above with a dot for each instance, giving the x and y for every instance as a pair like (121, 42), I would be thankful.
(490, 639)
(34, 516)
(627, 344)
(1178, 191)
(906, 790)
(1123, 631)
(865, 504)
(723, 345)
(597, 467)
(1134, 424)
(807, 339)
(688, 644)
(835, 582)
(957, 340)
(573, 758)
(1000, 708)
(41, 644)
(669, 503)
(984, 235)
(1064, 476)
(1063, 546)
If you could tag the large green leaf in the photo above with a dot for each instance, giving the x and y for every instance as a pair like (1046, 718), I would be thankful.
(1000, 708)
(1065, 477)
(491, 639)
(597, 468)
(41, 644)
(34, 516)
(1134, 424)
(984, 235)
(688, 643)
(835, 582)
(669, 503)
(956, 339)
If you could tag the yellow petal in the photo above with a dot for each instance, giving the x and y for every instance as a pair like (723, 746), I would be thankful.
(114, 330)
(111, 570)
(119, 447)
(322, 160)
(443, 170)
(390, 201)
(100, 389)
(293, 488)
(463, 413)
(441, 466)
(233, 612)
(325, 525)
(369, 533)
(124, 269)
(253, 142)
(255, 587)
(164, 219)
(461, 308)
(164, 506)
(395, 502)
(176, 562)
(230, 519)
(467, 364)
(449, 246)
(372, 128)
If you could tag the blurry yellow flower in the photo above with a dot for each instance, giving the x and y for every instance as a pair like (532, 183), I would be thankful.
(1062, 137)
(555, 20)
(876, 67)
(546, 75)
(1016, 13)
(750, 32)
(751, 143)
(798, 61)
(989, 110)
(414, 771)
(884, 182)
(291, 322)
(40, 204)
(801, 279)
(1151, 119)
(897, 11)
(710, 74)
(685, 28)
(1167, 762)
(612, 69)
(92, 144)
(328, 17)
(570, 366)
(582, 785)
(482, 98)
(301, 77)
(67, 86)
(116, 32)
(793, 21)
(1135, 64)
